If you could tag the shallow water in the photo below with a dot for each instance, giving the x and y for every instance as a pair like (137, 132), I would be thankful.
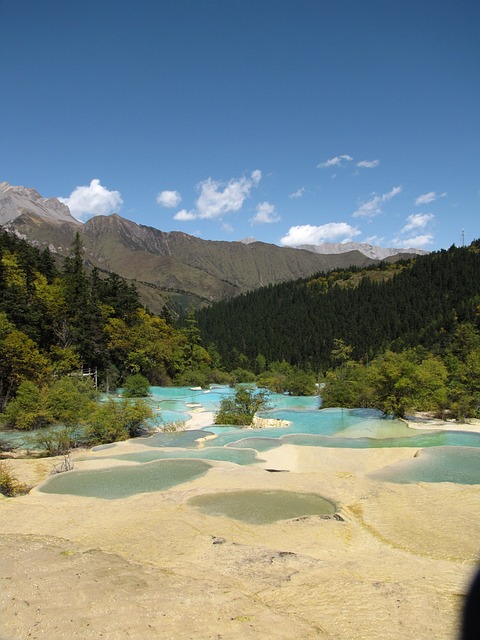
(177, 398)
(331, 428)
(340, 428)
(263, 507)
(308, 426)
(25, 439)
(188, 439)
(241, 456)
(460, 465)
(121, 482)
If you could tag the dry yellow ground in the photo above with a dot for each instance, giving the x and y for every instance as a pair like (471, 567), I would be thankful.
(151, 566)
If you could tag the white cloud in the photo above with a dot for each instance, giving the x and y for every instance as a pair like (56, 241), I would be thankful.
(426, 198)
(256, 177)
(409, 235)
(217, 198)
(266, 214)
(92, 200)
(391, 194)
(169, 199)
(373, 207)
(340, 161)
(310, 234)
(414, 242)
(368, 164)
(298, 193)
(337, 161)
(375, 240)
(417, 221)
(185, 215)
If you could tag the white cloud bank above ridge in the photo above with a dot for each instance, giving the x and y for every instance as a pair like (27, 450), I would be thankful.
(92, 200)
(169, 199)
(218, 198)
(310, 234)
(409, 235)
(373, 207)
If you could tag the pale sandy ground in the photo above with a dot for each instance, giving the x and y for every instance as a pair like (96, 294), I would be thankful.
(151, 566)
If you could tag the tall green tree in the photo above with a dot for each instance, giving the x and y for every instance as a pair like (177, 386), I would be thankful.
(70, 400)
(346, 386)
(400, 382)
(83, 313)
(20, 360)
(28, 410)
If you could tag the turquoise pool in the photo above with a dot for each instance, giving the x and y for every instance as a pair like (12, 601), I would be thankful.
(171, 458)
(263, 507)
(460, 465)
(124, 481)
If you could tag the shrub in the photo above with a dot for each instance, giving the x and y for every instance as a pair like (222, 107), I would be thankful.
(54, 443)
(9, 485)
(27, 410)
(241, 409)
(69, 400)
(136, 386)
(112, 421)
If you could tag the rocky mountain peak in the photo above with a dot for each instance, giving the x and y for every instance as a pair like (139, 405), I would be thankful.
(15, 201)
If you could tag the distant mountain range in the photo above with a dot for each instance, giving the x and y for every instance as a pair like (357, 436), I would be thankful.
(369, 250)
(173, 268)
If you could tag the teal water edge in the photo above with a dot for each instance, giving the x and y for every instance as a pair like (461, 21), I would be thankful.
(25, 439)
(124, 481)
(263, 507)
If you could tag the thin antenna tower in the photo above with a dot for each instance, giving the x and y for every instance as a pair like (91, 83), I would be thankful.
(463, 237)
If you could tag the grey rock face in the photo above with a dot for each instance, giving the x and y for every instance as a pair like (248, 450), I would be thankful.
(14, 201)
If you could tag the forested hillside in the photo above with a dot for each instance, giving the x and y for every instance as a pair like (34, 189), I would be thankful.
(54, 321)
(418, 302)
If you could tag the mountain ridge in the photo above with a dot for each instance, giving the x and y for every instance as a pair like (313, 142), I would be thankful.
(172, 268)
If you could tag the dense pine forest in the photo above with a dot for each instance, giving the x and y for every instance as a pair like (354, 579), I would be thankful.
(419, 302)
(397, 337)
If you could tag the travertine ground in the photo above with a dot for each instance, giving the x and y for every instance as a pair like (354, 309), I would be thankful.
(151, 566)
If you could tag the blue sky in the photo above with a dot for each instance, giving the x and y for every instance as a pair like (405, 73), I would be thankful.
(293, 122)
